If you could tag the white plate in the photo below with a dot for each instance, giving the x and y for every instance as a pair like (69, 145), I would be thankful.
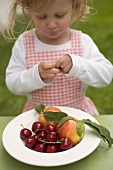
(15, 147)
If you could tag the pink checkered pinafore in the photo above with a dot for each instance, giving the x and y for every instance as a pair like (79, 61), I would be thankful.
(59, 92)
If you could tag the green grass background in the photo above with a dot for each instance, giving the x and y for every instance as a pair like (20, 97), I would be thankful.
(100, 27)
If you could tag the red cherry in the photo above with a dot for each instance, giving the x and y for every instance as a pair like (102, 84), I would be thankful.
(41, 136)
(58, 145)
(30, 142)
(40, 147)
(35, 137)
(50, 128)
(52, 137)
(25, 133)
(66, 144)
(51, 148)
(37, 126)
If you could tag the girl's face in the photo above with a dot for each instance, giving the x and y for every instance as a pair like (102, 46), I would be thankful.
(53, 23)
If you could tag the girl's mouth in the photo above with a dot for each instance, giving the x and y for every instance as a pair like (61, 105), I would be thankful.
(53, 33)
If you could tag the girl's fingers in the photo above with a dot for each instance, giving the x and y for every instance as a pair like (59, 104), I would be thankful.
(48, 71)
(65, 63)
(47, 66)
(60, 62)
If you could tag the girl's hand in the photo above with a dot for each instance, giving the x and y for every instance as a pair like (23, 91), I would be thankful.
(48, 71)
(64, 63)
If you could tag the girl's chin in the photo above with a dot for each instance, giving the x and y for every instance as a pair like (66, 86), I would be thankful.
(50, 37)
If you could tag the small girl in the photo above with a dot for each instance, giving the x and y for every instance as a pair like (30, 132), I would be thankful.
(44, 56)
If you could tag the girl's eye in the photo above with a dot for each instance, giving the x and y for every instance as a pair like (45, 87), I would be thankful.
(41, 17)
(60, 16)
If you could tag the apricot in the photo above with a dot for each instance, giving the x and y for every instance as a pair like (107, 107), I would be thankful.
(44, 121)
(52, 109)
(69, 129)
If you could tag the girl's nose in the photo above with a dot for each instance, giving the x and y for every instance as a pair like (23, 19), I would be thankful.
(51, 24)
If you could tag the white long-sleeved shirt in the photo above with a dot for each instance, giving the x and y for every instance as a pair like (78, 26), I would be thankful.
(92, 69)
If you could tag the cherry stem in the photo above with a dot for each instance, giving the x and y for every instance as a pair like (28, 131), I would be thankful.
(22, 126)
(44, 141)
(38, 130)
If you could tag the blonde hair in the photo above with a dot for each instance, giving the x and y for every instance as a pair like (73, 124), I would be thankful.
(81, 9)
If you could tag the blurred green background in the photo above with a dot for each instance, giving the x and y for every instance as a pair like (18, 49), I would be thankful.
(100, 27)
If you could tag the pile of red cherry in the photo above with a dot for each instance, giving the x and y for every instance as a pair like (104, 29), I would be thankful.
(44, 139)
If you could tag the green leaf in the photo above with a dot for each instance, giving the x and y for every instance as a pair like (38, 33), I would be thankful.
(40, 108)
(63, 120)
(54, 116)
(100, 130)
(80, 127)
(94, 128)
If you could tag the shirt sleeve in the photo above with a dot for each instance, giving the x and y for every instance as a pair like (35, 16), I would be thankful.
(19, 79)
(92, 68)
